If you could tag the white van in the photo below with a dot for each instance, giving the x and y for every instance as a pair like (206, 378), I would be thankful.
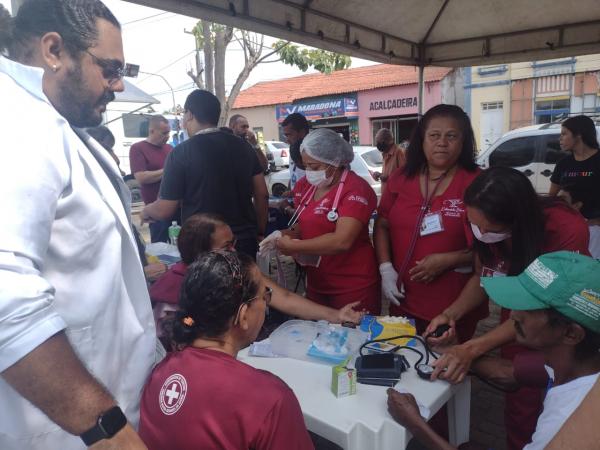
(130, 128)
(125, 117)
(533, 150)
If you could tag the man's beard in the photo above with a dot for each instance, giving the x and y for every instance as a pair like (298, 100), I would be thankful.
(75, 103)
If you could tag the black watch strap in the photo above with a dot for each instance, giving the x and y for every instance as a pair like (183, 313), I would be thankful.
(107, 425)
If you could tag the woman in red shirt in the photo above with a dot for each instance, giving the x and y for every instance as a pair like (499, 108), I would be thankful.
(204, 232)
(202, 396)
(330, 232)
(421, 234)
(512, 227)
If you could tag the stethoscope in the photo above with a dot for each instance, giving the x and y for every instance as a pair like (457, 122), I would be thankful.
(333, 214)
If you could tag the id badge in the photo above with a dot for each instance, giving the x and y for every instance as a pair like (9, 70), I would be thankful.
(431, 224)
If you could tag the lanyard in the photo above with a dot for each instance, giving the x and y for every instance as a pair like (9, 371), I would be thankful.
(332, 215)
(302, 206)
(424, 207)
(427, 202)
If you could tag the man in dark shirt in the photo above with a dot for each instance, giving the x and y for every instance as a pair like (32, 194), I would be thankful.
(214, 172)
(147, 160)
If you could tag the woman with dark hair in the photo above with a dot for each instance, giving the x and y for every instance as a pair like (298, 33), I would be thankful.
(202, 396)
(421, 233)
(581, 168)
(512, 227)
(204, 232)
(329, 232)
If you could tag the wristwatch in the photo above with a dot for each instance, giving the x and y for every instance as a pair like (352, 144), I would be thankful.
(107, 425)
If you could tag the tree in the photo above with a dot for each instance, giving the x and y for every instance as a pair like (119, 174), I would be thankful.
(214, 39)
(321, 60)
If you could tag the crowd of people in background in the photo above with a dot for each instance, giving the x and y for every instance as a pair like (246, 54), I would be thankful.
(77, 292)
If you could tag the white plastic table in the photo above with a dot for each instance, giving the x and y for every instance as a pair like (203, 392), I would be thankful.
(361, 421)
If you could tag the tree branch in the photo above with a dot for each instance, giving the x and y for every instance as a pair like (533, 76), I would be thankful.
(267, 62)
(272, 53)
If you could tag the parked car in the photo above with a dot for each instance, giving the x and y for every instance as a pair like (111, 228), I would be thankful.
(533, 150)
(280, 151)
(367, 161)
(270, 160)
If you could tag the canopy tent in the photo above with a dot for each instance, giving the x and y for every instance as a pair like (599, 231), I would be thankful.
(449, 33)
(133, 94)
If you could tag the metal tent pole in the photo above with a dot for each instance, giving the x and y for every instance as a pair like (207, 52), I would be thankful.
(421, 90)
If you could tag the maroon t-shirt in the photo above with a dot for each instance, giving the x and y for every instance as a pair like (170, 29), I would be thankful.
(205, 399)
(144, 156)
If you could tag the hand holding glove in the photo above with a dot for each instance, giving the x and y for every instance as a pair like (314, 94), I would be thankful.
(268, 244)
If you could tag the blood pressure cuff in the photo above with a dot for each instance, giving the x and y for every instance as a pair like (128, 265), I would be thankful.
(529, 369)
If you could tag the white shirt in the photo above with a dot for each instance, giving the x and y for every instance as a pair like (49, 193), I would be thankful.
(68, 260)
(594, 246)
(559, 404)
(295, 174)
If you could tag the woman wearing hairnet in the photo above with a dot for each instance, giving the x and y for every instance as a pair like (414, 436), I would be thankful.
(329, 233)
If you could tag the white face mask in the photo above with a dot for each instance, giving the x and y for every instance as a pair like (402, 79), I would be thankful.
(488, 238)
(317, 177)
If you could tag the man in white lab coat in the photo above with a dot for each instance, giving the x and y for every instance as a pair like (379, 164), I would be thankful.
(77, 338)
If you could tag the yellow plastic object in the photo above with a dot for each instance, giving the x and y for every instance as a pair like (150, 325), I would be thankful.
(381, 327)
(152, 259)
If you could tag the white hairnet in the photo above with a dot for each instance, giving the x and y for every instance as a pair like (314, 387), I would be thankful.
(327, 146)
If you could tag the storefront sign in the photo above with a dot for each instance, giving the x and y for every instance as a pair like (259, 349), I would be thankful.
(394, 103)
(322, 108)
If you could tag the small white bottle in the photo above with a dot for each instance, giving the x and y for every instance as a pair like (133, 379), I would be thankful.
(174, 230)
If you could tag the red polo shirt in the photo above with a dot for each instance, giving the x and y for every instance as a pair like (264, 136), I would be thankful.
(144, 156)
(400, 205)
(356, 268)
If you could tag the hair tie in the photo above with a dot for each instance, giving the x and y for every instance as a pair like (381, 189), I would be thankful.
(188, 321)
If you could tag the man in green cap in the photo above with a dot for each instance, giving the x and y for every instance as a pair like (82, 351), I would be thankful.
(555, 307)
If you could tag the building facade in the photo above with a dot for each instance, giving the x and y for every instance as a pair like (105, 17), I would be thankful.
(355, 103)
(504, 97)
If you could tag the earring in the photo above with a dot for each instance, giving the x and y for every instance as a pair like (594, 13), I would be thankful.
(54, 68)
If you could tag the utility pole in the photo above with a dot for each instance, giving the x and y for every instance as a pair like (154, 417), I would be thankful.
(168, 84)
(199, 63)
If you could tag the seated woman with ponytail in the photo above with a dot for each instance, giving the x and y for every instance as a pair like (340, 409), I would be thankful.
(201, 396)
(204, 232)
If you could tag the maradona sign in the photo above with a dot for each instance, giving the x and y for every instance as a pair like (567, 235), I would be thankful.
(322, 108)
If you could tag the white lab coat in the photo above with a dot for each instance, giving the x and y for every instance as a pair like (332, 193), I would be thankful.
(68, 260)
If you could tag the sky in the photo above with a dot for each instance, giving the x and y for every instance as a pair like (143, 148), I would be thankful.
(157, 42)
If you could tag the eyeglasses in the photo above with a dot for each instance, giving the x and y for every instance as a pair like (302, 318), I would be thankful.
(112, 70)
(266, 297)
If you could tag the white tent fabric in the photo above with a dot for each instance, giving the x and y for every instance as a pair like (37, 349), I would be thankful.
(450, 33)
(133, 94)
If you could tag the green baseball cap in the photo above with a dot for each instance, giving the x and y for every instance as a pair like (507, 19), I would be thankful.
(565, 281)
